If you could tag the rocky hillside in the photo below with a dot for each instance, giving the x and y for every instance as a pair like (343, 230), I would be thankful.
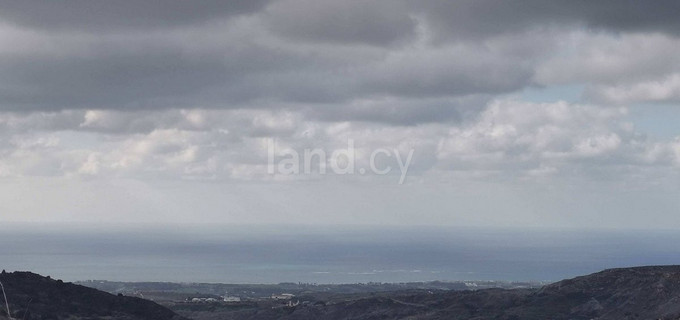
(630, 293)
(616, 294)
(34, 297)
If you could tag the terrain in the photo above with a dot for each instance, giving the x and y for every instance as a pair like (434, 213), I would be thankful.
(651, 292)
(34, 297)
(617, 294)
(169, 291)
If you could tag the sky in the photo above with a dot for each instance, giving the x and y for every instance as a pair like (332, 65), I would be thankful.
(560, 114)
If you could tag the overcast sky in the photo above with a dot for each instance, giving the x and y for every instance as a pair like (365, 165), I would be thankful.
(539, 113)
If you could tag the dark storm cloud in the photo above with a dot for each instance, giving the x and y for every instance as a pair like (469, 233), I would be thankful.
(94, 54)
(481, 18)
(460, 75)
(368, 22)
(110, 80)
(380, 22)
(104, 15)
(215, 70)
(404, 112)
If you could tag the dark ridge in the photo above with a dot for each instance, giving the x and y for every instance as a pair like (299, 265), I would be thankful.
(615, 294)
(34, 297)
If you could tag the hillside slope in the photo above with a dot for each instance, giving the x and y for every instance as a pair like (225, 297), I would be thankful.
(615, 294)
(627, 293)
(32, 296)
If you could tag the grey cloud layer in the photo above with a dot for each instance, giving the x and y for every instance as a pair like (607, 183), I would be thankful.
(242, 66)
(111, 16)
(481, 18)
(192, 90)
(338, 60)
(374, 21)
(150, 110)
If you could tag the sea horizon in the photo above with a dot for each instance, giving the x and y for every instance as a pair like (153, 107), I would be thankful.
(332, 255)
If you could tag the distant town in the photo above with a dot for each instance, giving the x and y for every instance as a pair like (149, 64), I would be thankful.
(283, 293)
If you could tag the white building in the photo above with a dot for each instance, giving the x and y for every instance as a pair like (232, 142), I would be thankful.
(283, 296)
(232, 299)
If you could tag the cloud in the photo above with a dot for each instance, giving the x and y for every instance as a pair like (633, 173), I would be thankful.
(21, 122)
(238, 64)
(114, 16)
(519, 138)
(505, 138)
(472, 19)
(664, 90)
(102, 73)
(360, 61)
(176, 94)
(600, 58)
(342, 22)
(402, 110)
(626, 69)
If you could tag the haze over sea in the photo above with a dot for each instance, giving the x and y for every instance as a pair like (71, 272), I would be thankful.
(248, 254)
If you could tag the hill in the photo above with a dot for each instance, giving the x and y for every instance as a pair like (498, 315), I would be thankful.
(616, 294)
(32, 296)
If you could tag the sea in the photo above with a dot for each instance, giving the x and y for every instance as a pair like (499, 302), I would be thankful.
(327, 254)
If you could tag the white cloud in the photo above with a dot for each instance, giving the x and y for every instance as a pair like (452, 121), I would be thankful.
(661, 90)
(514, 137)
(616, 69)
(605, 58)
(509, 138)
